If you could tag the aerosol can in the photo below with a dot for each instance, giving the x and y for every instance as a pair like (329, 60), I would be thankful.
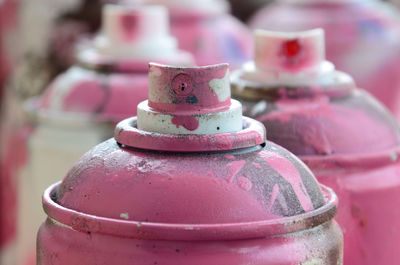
(348, 139)
(189, 181)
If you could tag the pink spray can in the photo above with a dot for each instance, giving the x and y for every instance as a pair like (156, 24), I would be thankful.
(348, 139)
(207, 30)
(79, 109)
(363, 39)
(189, 181)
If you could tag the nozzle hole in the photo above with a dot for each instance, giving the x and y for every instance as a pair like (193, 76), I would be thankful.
(182, 85)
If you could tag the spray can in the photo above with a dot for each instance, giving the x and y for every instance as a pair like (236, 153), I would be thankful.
(348, 139)
(189, 181)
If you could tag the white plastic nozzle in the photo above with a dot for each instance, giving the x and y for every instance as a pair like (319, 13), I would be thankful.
(122, 24)
(135, 31)
(194, 100)
(294, 59)
(289, 52)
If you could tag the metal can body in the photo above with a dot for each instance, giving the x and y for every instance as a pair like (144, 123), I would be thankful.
(362, 39)
(59, 245)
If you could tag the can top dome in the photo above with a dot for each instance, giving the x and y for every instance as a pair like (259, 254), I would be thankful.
(191, 184)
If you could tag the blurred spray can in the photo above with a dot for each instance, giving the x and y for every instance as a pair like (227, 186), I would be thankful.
(349, 140)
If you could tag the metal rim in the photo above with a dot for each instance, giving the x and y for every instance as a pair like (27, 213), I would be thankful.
(87, 223)
(253, 134)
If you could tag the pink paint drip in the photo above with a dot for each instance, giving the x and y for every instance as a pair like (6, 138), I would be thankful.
(189, 123)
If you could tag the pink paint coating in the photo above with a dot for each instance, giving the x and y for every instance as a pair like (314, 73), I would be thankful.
(128, 134)
(362, 39)
(175, 90)
(315, 126)
(369, 192)
(202, 180)
(185, 244)
(190, 123)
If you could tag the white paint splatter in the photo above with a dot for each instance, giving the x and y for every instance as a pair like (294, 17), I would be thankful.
(221, 87)
(124, 216)
(314, 261)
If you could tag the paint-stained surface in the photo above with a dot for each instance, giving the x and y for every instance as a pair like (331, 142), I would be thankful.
(281, 186)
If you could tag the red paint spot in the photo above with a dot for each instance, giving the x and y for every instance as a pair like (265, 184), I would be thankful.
(291, 48)
(189, 123)
(129, 25)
